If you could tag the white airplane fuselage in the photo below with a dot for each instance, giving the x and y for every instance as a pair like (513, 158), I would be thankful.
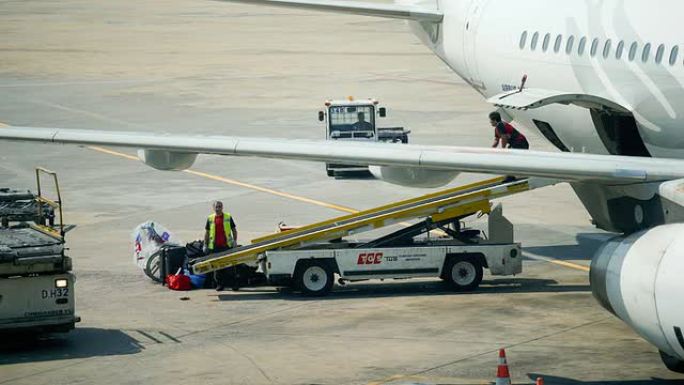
(482, 41)
(632, 55)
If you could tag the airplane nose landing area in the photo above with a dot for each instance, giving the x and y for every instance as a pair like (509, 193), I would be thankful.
(219, 68)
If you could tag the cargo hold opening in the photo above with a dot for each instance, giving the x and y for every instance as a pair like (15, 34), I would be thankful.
(619, 133)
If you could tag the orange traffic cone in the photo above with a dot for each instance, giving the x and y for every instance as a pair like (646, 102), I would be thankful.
(503, 377)
(540, 381)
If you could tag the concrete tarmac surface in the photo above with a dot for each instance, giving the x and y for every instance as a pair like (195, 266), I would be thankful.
(207, 67)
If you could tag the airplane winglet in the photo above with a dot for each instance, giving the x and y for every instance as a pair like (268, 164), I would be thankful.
(392, 11)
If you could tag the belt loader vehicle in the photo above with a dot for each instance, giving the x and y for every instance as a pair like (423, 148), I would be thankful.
(36, 284)
(307, 258)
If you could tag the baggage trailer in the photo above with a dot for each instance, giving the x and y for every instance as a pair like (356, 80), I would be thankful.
(36, 284)
(307, 257)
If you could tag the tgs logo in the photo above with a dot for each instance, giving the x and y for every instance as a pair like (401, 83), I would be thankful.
(369, 259)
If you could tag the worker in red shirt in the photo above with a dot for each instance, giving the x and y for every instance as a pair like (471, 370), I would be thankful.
(505, 133)
(220, 231)
(220, 234)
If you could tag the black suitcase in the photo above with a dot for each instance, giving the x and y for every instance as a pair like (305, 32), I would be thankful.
(194, 249)
(172, 258)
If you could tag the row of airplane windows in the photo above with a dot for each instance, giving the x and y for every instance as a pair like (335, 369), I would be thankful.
(595, 46)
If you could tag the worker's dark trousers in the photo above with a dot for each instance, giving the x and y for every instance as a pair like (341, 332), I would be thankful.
(221, 277)
(522, 145)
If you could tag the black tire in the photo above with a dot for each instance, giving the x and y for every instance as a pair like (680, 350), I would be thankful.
(463, 273)
(314, 278)
(331, 173)
(152, 269)
(672, 363)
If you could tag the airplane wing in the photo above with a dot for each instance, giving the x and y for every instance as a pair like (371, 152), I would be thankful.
(606, 169)
(393, 11)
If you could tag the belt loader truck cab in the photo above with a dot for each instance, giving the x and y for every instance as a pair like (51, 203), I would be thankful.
(355, 120)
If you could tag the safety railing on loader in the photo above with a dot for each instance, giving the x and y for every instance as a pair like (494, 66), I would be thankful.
(47, 224)
(451, 203)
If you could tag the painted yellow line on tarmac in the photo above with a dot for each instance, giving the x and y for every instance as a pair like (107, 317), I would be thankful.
(274, 192)
(571, 265)
(110, 152)
(238, 183)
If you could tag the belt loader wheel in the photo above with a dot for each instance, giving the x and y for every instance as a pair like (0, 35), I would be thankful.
(314, 278)
(463, 273)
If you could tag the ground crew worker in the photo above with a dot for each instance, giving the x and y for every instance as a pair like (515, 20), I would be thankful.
(362, 124)
(505, 133)
(220, 234)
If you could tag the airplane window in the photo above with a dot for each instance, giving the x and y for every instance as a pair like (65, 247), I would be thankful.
(632, 51)
(646, 52)
(659, 53)
(594, 47)
(673, 55)
(523, 39)
(533, 43)
(568, 47)
(557, 45)
(581, 45)
(619, 49)
(545, 44)
(606, 49)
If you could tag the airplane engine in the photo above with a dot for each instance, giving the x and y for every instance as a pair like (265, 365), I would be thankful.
(167, 160)
(413, 177)
(638, 278)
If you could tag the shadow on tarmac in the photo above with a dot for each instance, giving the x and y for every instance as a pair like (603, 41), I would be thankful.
(585, 248)
(407, 289)
(553, 380)
(79, 343)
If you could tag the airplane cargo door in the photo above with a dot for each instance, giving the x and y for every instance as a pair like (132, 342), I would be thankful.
(470, 42)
